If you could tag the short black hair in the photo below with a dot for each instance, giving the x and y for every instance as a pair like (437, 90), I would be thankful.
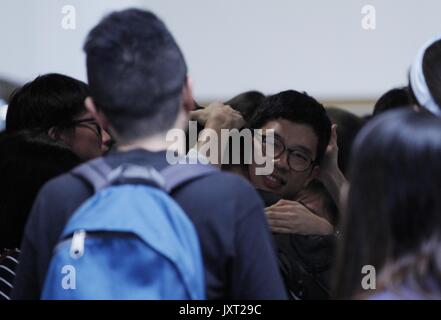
(136, 73)
(393, 99)
(28, 159)
(51, 100)
(296, 107)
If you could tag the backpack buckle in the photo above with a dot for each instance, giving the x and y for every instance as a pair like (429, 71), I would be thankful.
(77, 246)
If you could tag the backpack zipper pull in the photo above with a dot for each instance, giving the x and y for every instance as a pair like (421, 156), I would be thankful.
(77, 246)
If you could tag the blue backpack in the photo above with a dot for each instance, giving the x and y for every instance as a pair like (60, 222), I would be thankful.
(130, 240)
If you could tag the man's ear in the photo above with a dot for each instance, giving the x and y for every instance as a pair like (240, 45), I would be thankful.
(60, 135)
(187, 95)
(54, 133)
(99, 116)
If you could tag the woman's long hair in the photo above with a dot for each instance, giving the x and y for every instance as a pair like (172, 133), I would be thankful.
(393, 210)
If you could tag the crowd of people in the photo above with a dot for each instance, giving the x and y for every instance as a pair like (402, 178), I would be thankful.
(86, 183)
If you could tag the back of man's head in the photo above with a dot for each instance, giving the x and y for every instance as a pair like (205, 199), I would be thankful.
(136, 73)
(393, 99)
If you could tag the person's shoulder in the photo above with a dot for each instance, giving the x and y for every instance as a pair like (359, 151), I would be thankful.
(66, 183)
(225, 188)
(55, 203)
(63, 191)
(225, 182)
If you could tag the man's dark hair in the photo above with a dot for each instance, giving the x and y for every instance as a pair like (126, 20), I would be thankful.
(136, 73)
(28, 159)
(51, 100)
(298, 108)
(393, 99)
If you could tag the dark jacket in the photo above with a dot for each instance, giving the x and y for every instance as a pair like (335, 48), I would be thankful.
(224, 208)
(305, 261)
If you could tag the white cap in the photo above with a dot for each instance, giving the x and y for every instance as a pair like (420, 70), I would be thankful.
(3, 110)
(418, 82)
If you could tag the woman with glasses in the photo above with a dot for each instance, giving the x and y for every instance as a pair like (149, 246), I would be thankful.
(54, 104)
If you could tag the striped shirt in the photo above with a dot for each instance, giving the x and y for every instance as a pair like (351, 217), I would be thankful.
(8, 264)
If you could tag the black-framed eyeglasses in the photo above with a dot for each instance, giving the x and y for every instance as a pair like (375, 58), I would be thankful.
(298, 159)
(91, 124)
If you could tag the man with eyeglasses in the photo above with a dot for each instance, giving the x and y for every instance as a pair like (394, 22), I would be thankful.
(294, 131)
(304, 149)
(300, 132)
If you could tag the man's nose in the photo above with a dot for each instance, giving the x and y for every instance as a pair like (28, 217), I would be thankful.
(281, 161)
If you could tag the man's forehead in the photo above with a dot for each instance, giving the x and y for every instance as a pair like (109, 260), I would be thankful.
(293, 134)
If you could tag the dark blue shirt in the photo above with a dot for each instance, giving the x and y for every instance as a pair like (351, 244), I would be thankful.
(237, 247)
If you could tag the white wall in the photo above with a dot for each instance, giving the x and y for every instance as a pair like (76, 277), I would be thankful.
(33, 41)
(235, 45)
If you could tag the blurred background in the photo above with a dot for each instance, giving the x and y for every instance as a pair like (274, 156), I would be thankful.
(232, 46)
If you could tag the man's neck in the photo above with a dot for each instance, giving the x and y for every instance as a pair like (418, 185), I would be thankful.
(155, 143)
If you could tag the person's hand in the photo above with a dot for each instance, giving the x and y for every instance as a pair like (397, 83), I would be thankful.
(329, 164)
(218, 116)
(330, 174)
(292, 217)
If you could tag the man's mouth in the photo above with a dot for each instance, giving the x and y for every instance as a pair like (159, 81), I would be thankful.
(273, 181)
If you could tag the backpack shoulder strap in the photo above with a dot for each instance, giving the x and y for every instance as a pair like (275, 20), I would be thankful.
(177, 175)
(95, 173)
